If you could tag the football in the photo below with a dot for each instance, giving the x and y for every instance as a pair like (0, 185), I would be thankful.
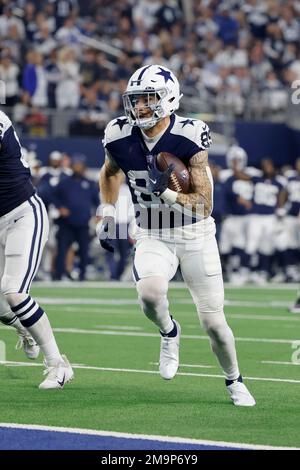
(180, 177)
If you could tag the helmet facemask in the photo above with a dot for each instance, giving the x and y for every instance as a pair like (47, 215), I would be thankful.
(137, 105)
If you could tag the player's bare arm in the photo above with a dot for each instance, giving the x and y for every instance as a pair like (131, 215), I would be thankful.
(111, 178)
(282, 198)
(201, 196)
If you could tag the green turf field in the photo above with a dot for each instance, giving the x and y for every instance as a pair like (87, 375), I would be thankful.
(117, 387)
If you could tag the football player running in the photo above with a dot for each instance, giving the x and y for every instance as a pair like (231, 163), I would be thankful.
(23, 234)
(184, 233)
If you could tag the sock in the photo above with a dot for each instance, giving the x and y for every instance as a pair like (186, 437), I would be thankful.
(172, 332)
(10, 319)
(42, 332)
(33, 317)
(230, 382)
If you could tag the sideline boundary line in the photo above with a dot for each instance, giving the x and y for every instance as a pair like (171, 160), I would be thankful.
(92, 432)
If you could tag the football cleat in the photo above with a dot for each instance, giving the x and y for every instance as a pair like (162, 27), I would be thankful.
(28, 344)
(169, 354)
(57, 375)
(239, 393)
(296, 307)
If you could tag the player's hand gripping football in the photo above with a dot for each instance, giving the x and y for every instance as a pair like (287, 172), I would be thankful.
(159, 180)
(106, 230)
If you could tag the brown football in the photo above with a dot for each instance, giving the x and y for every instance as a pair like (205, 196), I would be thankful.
(180, 178)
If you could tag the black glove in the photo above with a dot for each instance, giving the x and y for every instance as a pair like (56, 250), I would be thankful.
(158, 179)
(106, 232)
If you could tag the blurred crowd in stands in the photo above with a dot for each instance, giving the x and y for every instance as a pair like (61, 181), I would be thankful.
(231, 56)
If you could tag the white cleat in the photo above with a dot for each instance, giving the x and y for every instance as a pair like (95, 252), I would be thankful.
(28, 344)
(295, 308)
(169, 355)
(58, 375)
(240, 395)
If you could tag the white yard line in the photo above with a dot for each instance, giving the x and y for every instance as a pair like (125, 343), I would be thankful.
(126, 302)
(109, 309)
(281, 363)
(124, 309)
(155, 335)
(247, 316)
(84, 301)
(172, 285)
(144, 371)
(250, 303)
(196, 366)
(150, 437)
(119, 327)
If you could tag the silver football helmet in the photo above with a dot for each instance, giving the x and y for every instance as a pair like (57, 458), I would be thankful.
(153, 88)
(237, 154)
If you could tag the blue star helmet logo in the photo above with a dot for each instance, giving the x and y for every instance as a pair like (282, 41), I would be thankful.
(166, 74)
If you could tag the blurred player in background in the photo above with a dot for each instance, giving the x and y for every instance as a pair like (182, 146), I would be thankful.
(75, 197)
(188, 239)
(50, 177)
(23, 234)
(268, 196)
(117, 258)
(238, 192)
(291, 222)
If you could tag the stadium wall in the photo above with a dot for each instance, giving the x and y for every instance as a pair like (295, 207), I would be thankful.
(260, 140)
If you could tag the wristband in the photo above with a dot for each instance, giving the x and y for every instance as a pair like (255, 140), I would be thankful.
(169, 196)
(108, 210)
(281, 211)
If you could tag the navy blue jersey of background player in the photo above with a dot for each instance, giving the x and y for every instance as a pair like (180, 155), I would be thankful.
(235, 188)
(15, 179)
(293, 191)
(183, 138)
(47, 184)
(80, 195)
(265, 195)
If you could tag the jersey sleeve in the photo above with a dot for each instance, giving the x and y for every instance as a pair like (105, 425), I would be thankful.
(116, 129)
(202, 136)
(5, 124)
(107, 135)
(109, 158)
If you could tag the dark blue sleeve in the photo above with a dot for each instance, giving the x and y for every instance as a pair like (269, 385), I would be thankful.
(57, 196)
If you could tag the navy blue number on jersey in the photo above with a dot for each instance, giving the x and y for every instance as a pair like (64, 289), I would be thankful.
(265, 195)
(234, 189)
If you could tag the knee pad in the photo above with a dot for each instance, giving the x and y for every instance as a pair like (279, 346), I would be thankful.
(209, 303)
(9, 284)
(151, 290)
(15, 298)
